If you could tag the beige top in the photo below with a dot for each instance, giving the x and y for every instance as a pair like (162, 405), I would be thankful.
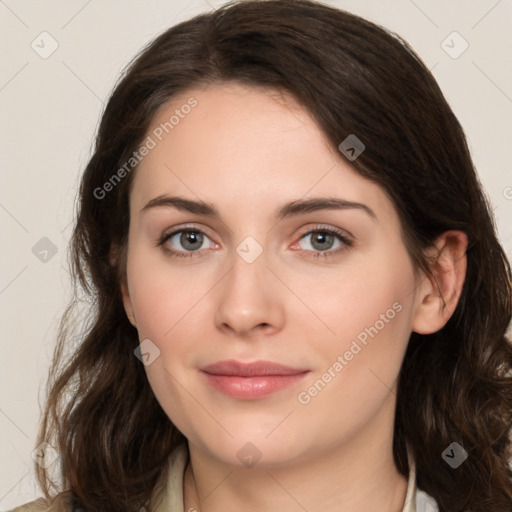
(170, 490)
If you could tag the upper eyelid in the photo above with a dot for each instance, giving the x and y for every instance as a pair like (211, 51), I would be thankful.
(186, 227)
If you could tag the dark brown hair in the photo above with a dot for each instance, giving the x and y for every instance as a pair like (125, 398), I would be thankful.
(353, 77)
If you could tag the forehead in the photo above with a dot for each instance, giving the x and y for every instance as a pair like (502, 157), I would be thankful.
(234, 123)
(251, 145)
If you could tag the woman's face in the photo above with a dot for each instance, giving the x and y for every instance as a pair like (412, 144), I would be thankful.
(329, 292)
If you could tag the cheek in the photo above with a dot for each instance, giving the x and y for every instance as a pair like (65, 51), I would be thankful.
(166, 302)
(163, 294)
(369, 314)
(373, 291)
(359, 367)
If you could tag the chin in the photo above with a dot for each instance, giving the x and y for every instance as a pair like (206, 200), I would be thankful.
(250, 448)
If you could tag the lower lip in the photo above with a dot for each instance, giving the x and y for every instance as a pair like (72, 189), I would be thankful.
(249, 388)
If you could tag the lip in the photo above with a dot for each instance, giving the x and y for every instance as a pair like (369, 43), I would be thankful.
(251, 380)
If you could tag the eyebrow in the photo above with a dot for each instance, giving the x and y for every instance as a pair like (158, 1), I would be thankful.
(293, 208)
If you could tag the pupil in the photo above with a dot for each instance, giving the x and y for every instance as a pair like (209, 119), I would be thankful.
(322, 238)
(189, 238)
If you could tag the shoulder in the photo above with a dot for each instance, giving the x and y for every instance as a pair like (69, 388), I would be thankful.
(60, 503)
(169, 489)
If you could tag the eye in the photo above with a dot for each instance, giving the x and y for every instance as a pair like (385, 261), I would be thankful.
(324, 242)
(184, 242)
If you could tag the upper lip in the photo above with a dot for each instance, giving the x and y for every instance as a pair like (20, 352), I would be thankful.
(257, 368)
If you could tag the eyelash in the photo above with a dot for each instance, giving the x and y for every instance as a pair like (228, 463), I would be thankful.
(347, 243)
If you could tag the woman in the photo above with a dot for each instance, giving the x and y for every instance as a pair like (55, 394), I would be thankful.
(296, 302)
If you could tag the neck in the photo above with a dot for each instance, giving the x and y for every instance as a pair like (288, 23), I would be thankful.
(345, 487)
(358, 475)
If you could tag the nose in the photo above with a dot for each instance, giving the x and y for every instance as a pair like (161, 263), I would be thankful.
(251, 299)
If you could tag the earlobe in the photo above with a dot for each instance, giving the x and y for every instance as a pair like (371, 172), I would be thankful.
(439, 294)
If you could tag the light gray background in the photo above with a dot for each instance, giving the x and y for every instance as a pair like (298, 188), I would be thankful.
(50, 109)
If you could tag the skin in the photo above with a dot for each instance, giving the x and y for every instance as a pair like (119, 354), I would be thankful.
(248, 151)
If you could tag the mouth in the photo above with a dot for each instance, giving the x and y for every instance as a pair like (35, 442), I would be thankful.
(250, 381)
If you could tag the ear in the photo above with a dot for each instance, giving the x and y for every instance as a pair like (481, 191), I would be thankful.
(114, 256)
(127, 301)
(438, 296)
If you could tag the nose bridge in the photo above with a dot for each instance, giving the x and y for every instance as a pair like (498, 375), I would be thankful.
(247, 279)
(249, 298)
